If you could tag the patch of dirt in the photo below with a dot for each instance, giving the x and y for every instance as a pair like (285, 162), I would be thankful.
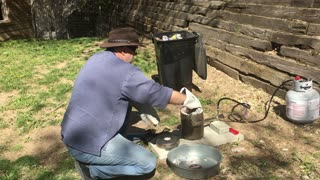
(43, 143)
(273, 147)
(6, 96)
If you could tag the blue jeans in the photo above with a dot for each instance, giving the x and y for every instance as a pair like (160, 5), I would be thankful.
(119, 157)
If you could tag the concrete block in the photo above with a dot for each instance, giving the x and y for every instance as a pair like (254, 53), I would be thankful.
(219, 127)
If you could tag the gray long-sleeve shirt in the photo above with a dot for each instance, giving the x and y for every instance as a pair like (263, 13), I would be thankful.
(100, 100)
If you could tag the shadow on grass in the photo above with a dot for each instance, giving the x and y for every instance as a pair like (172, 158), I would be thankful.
(259, 167)
(29, 167)
(48, 160)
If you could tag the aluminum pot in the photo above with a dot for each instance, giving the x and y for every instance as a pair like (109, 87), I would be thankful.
(194, 161)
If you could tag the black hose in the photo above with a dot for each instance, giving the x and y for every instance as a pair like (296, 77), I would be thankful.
(247, 106)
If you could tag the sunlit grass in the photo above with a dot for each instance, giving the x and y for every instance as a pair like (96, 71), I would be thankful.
(145, 61)
(36, 77)
(43, 72)
(20, 58)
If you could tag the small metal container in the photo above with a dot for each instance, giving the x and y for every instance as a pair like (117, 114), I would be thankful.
(191, 124)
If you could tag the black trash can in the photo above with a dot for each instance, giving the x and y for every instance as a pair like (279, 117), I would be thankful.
(175, 53)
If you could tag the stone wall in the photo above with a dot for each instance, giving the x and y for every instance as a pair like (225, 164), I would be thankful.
(260, 42)
(18, 23)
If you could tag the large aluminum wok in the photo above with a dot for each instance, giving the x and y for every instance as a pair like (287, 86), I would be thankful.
(194, 161)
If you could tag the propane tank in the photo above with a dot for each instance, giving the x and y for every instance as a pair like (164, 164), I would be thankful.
(302, 102)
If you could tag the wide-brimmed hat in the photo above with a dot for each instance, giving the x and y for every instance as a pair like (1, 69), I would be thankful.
(122, 37)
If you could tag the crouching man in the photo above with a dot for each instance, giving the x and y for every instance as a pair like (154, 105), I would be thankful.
(100, 104)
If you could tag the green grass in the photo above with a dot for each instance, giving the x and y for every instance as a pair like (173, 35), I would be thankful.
(306, 163)
(3, 124)
(170, 121)
(36, 79)
(206, 101)
(29, 167)
(40, 74)
(145, 61)
(3, 148)
(24, 59)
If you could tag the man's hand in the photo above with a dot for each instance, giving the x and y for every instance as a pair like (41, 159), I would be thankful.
(191, 101)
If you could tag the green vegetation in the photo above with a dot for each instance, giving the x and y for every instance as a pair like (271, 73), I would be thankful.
(170, 121)
(36, 79)
(206, 101)
(306, 164)
(29, 167)
(145, 61)
(39, 74)
(3, 124)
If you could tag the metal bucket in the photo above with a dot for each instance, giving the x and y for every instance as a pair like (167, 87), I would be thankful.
(191, 124)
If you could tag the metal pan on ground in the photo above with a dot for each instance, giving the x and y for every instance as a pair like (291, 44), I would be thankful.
(194, 161)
